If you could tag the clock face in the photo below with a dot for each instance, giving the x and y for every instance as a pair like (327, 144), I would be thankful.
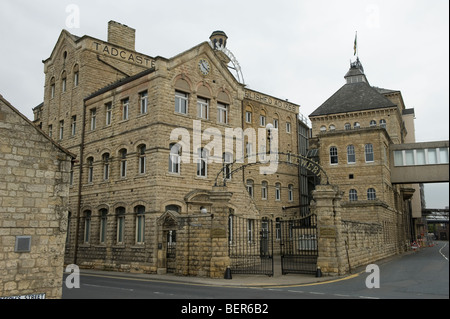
(204, 66)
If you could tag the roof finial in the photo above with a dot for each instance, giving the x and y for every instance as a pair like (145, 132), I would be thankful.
(355, 45)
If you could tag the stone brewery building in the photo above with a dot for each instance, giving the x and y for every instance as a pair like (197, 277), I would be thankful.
(181, 168)
(152, 137)
(34, 198)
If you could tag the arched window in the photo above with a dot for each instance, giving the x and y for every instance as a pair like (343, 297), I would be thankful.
(87, 225)
(202, 162)
(323, 128)
(277, 191)
(64, 81)
(103, 225)
(353, 195)
(140, 223)
(291, 192)
(347, 126)
(76, 75)
(249, 185)
(371, 194)
(332, 127)
(373, 123)
(52, 87)
(105, 160)
(356, 125)
(351, 157)
(123, 163)
(383, 123)
(264, 190)
(262, 118)
(141, 152)
(333, 155)
(90, 163)
(120, 223)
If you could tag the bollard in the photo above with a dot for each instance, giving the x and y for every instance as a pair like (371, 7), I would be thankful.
(318, 272)
(227, 273)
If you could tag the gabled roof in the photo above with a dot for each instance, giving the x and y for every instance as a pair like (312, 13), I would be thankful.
(353, 97)
(39, 131)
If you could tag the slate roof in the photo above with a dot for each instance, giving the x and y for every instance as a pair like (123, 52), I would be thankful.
(353, 97)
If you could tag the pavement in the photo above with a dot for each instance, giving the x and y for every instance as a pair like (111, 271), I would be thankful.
(237, 280)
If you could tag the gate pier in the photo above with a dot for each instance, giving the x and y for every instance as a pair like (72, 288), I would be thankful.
(331, 245)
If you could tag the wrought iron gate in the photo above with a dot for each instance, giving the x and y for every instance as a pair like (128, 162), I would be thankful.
(298, 245)
(171, 251)
(250, 245)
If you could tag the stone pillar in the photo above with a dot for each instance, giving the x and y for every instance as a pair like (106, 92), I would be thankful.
(331, 246)
(220, 197)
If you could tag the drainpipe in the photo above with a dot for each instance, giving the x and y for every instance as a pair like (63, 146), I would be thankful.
(77, 231)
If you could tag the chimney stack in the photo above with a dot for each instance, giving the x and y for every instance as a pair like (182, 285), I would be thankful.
(121, 35)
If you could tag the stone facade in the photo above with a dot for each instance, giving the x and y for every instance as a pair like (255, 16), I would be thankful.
(34, 194)
(121, 112)
(353, 136)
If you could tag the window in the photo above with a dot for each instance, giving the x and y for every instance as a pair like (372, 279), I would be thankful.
(141, 152)
(373, 123)
(356, 125)
(105, 159)
(277, 191)
(74, 125)
(351, 157)
(250, 227)
(264, 190)
(443, 154)
(275, 123)
(352, 195)
(383, 123)
(202, 108)
(61, 129)
(125, 109)
(103, 224)
(323, 128)
(52, 88)
(76, 78)
(64, 82)
(174, 158)
(227, 160)
(93, 119)
(202, 162)
(120, 222)
(432, 157)
(248, 116)
(90, 163)
(262, 119)
(347, 126)
(181, 102)
(249, 185)
(222, 113)
(140, 223)
(108, 107)
(332, 127)
(291, 192)
(143, 99)
(87, 226)
(123, 163)
(288, 127)
(333, 155)
(50, 130)
(371, 194)
(368, 150)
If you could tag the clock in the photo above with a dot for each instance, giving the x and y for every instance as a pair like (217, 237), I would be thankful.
(204, 66)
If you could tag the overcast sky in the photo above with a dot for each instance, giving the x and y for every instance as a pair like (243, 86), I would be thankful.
(296, 50)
